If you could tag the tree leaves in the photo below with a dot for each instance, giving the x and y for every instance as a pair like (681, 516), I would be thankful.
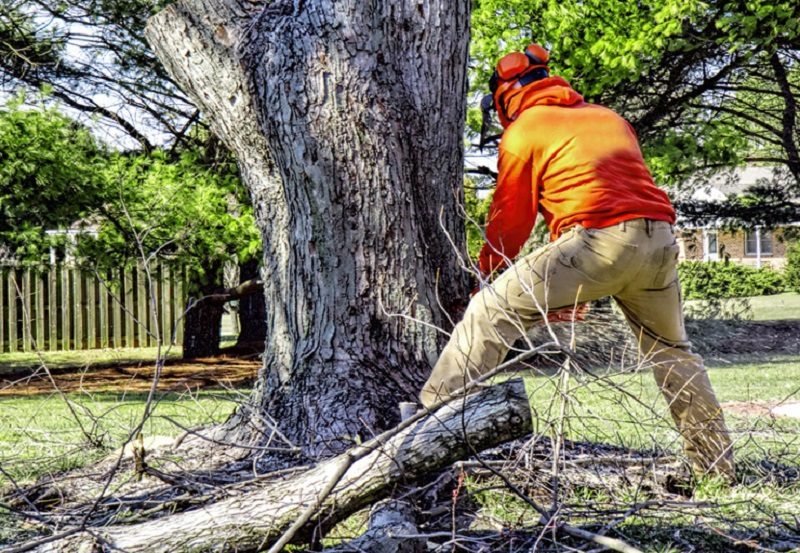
(48, 175)
(188, 207)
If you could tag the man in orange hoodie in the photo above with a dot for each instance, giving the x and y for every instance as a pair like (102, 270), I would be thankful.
(581, 167)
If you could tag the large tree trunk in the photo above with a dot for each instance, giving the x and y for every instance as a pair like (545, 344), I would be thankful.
(347, 120)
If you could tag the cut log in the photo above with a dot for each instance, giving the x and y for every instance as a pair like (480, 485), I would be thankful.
(392, 529)
(333, 490)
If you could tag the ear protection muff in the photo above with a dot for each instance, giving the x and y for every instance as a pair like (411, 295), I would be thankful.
(537, 54)
(516, 70)
(516, 64)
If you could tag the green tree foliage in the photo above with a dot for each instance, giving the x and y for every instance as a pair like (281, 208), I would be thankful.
(476, 210)
(705, 83)
(792, 271)
(49, 176)
(188, 208)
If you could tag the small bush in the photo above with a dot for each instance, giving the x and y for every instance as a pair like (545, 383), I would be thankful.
(792, 270)
(718, 279)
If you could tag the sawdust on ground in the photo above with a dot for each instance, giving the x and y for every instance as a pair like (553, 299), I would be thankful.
(177, 376)
(770, 409)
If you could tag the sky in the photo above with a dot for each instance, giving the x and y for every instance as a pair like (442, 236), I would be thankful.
(79, 51)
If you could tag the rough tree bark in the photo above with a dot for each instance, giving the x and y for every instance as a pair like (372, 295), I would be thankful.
(346, 118)
(251, 521)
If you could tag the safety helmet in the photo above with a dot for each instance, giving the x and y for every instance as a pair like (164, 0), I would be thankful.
(513, 71)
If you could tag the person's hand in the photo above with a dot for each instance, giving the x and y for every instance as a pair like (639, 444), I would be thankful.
(568, 314)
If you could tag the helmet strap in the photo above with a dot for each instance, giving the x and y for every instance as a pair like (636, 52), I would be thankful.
(487, 106)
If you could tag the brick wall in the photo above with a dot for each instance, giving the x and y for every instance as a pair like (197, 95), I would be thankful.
(732, 246)
(690, 242)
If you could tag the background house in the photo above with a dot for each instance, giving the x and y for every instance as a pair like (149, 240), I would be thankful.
(758, 246)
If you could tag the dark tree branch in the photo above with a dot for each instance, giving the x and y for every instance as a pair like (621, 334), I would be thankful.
(789, 131)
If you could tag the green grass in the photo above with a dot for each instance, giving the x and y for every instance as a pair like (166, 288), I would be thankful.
(758, 308)
(628, 409)
(49, 433)
(19, 361)
(41, 434)
(777, 307)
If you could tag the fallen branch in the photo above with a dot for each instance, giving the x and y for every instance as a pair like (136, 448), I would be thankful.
(392, 529)
(246, 288)
(356, 479)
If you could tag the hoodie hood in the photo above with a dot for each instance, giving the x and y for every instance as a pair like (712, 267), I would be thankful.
(545, 92)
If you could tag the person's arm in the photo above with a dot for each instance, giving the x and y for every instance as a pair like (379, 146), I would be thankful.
(511, 214)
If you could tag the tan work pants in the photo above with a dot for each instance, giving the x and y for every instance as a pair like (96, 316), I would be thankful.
(635, 262)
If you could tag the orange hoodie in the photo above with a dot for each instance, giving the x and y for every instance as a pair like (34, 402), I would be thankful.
(574, 162)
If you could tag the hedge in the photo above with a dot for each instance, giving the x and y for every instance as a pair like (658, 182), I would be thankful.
(719, 279)
(792, 270)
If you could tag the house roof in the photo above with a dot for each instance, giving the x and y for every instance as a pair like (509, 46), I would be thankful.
(718, 186)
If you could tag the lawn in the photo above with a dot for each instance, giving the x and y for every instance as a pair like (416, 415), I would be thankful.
(618, 408)
(40, 434)
(622, 413)
(45, 433)
(777, 307)
(627, 410)
(21, 361)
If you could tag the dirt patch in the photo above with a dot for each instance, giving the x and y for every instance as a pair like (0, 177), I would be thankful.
(604, 340)
(178, 376)
(719, 338)
(787, 410)
(772, 409)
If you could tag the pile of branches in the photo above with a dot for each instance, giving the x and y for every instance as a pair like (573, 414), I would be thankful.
(466, 476)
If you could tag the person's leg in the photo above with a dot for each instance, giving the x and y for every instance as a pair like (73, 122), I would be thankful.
(652, 306)
(573, 269)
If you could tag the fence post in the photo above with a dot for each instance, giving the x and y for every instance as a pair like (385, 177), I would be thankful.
(154, 305)
(165, 285)
(66, 311)
(103, 321)
(27, 306)
(140, 307)
(41, 312)
(52, 304)
(11, 286)
(77, 301)
(116, 307)
(130, 309)
(180, 305)
(91, 309)
(3, 274)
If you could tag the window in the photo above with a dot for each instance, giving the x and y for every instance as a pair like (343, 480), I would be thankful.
(751, 242)
(712, 244)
